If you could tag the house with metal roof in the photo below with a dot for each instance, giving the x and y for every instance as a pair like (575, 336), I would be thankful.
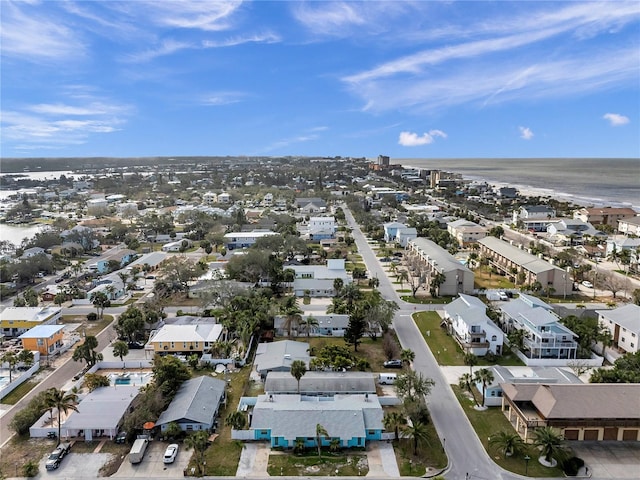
(195, 405)
(46, 339)
(278, 356)
(321, 383)
(467, 320)
(283, 419)
(197, 337)
(17, 320)
(332, 325)
(624, 325)
(591, 411)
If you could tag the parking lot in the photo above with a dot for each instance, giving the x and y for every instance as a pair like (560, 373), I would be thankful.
(152, 465)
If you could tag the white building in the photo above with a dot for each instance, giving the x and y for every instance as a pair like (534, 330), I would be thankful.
(624, 325)
(466, 232)
(318, 280)
(473, 330)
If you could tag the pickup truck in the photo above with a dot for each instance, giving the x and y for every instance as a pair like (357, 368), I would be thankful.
(57, 455)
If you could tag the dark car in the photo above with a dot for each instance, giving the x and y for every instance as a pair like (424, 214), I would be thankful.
(135, 345)
(392, 364)
(57, 455)
(59, 280)
(121, 437)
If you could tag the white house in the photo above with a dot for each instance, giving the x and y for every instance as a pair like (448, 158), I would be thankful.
(629, 225)
(471, 327)
(624, 325)
(318, 280)
(321, 228)
(235, 240)
(466, 232)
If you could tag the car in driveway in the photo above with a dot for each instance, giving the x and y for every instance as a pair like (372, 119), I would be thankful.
(121, 437)
(170, 453)
(587, 284)
(135, 345)
(392, 364)
(57, 455)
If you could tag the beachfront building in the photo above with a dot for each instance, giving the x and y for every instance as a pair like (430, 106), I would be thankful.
(629, 225)
(624, 325)
(545, 338)
(436, 260)
(467, 320)
(524, 268)
(583, 412)
(235, 240)
(466, 232)
(604, 215)
(15, 321)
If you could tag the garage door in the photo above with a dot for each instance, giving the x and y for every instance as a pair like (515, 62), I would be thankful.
(591, 434)
(629, 435)
(571, 434)
(610, 433)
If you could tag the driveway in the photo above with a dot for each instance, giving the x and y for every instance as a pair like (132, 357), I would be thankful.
(75, 465)
(617, 460)
(152, 465)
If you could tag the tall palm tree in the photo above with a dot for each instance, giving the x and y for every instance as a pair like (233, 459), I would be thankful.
(120, 349)
(394, 420)
(198, 441)
(292, 315)
(298, 445)
(471, 360)
(298, 369)
(466, 382)
(550, 442)
(485, 376)
(407, 355)
(11, 358)
(62, 402)
(418, 433)
(508, 443)
(320, 432)
(338, 284)
(308, 323)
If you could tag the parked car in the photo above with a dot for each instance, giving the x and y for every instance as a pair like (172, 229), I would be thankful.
(170, 453)
(57, 455)
(121, 437)
(59, 280)
(135, 345)
(587, 284)
(393, 364)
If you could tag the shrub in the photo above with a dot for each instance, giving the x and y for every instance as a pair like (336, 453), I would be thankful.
(572, 465)
(92, 317)
(30, 469)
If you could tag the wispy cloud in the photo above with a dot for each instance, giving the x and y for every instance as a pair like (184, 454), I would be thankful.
(191, 14)
(166, 47)
(525, 133)
(216, 99)
(615, 119)
(310, 135)
(242, 39)
(410, 139)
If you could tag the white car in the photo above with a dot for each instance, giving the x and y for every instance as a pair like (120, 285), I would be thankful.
(587, 284)
(170, 453)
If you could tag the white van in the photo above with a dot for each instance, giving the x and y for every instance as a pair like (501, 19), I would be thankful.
(137, 450)
(387, 378)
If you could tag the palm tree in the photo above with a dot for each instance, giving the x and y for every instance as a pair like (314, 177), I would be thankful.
(403, 276)
(236, 420)
(298, 369)
(485, 376)
(466, 382)
(308, 323)
(298, 445)
(62, 402)
(292, 315)
(320, 432)
(407, 355)
(471, 360)
(551, 444)
(120, 349)
(334, 445)
(198, 441)
(419, 433)
(11, 358)
(394, 420)
(508, 443)
(338, 283)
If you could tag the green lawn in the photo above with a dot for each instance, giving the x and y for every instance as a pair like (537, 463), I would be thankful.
(446, 349)
(310, 464)
(19, 392)
(425, 300)
(429, 455)
(484, 279)
(491, 421)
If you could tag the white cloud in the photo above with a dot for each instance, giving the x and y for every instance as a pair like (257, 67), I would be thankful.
(208, 16)
(525, 133)
(216, 99)
(410, 139)
(615, 119)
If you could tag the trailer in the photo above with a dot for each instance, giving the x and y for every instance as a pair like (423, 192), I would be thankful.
(136, 453)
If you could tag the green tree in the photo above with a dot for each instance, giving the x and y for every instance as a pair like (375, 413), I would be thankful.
(407, 355)
(298, 369)
(551, 444)
(26, 357)
(169, 373)
(11, 359)
(471, 360)
(130, 323)
(101, 301)
(199, 442)
(236, 420)
(95, 380)
(120, 349)
(308, 323)
(485, 376)
(62, 402)
(356, 328)
(394, 420)
(626, 369)
(320, 433)
(466, 382)
(419, 433)
(292, 315)
(507, 443)
(87, 351)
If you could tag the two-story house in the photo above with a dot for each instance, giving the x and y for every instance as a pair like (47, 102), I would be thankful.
(466, 232)
(235, 240)
(186, 339)
(17, 320)
(318, 280)
(468, 322)
(624, 325)
(46, 339)
(321, 228)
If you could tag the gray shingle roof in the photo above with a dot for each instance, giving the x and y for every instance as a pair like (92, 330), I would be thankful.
(197, 400)
(627, 316)
(280, 354)
(442, 258)
(321, 382)
(519, 257)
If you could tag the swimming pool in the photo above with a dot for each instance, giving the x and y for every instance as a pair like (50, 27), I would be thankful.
(130, 378)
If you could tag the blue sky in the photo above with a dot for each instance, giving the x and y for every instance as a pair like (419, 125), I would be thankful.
(409, 80)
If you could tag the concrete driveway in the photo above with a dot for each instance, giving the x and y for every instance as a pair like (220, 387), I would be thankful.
(152, 465)
(75, 465)
(619, 460)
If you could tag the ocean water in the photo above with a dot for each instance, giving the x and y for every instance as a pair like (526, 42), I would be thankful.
(585, 181)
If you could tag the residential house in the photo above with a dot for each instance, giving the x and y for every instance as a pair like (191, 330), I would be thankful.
(17, 320)
(533, 212)
(436, 260)
(629, 225)
(46, 339)
(318, 280)
(235, 240)
(586, 412)
(117, 259)
(321, 383)
(466, 232)
(328, 325)
(399, 233)
(620, 243)
(111, 285)
(506, 193)
(224, 197)
(522, 267)
(32, 252)
(544, 336)
(282, 419)
(310, 205)
(278, 356)
(572, 231)
(195, 405)
(321, 228)
(148, 261)
(210, 198)
(624, 325)
(604, 215)
(468, 322)
(177, 246)
(197, 338)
